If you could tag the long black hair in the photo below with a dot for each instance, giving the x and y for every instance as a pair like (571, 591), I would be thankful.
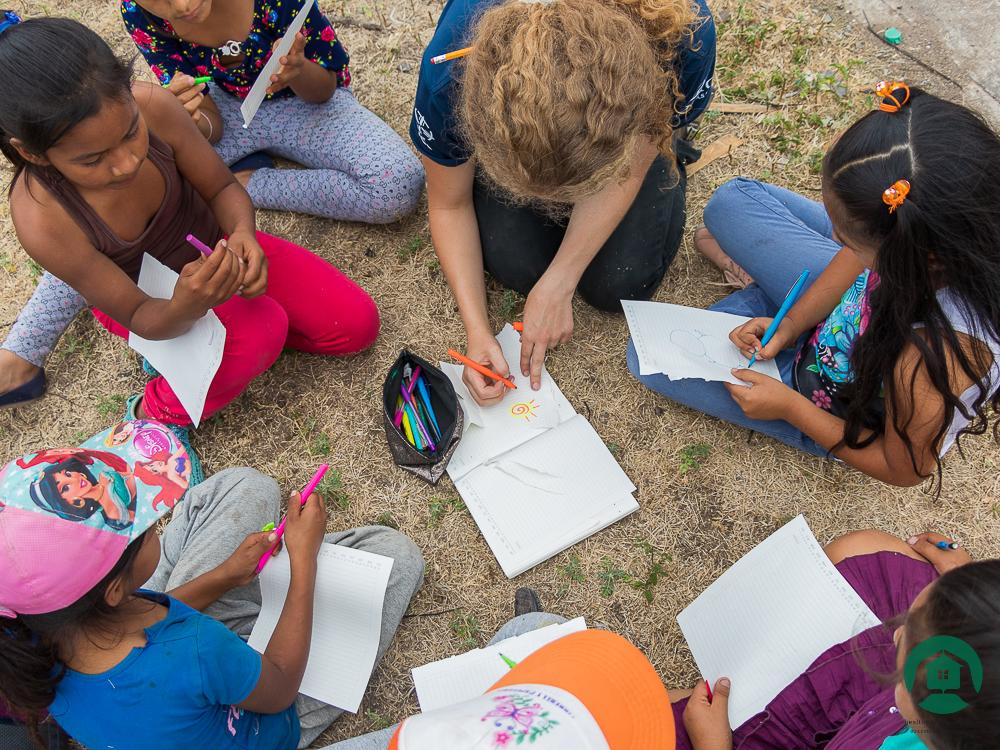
(945, 234)
(56, 73)
(30, 663)
(964, 603)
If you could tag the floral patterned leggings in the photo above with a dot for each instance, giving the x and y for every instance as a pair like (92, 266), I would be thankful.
(356, 168)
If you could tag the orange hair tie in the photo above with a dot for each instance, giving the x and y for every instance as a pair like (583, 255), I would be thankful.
(887, 90)
(894, 196)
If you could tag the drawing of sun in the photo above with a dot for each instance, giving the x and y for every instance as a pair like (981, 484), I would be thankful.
(525, 409)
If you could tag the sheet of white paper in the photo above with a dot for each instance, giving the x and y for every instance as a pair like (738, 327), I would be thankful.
(469, 675)
(520, 416)
(687, 342)
(189, 361)
(765, 620)
(347, 620)
(259, 89)
(546, 495)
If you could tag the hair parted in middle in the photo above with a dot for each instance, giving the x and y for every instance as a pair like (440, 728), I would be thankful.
(556, 97)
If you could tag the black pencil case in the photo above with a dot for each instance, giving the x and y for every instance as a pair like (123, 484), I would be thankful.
(427, 464)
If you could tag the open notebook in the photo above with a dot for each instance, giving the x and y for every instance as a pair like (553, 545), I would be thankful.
(534, 474)
(469, 675)
(765, 620)
(347, 620)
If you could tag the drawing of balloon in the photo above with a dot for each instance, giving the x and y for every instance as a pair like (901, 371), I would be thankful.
(525, 409)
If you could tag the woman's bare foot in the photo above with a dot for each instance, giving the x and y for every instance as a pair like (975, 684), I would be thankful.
(243, 176)
(15, 371)
(707, 245)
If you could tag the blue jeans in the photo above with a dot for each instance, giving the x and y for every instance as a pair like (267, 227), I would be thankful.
(773, 234)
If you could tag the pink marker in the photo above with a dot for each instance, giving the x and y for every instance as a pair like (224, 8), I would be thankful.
(398, 417)
(205, 249)
(303, 496)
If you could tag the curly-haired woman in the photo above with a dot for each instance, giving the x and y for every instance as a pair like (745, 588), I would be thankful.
(554, 156)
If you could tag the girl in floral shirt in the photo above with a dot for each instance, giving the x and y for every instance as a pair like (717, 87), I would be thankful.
(893, 353)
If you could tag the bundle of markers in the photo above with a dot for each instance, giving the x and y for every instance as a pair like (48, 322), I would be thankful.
(414, 411)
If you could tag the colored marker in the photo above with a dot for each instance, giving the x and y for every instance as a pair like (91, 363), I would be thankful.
(709, 689)
(425, 394)
(269, 526)
(451, 55)
(408, 397)
(519, 327)
(947, 545)
(407, 430)
(509, 662)
(198, 80)
(202, 247)
(481, 369)
(418, 438)
(303, 496)
(790, 299)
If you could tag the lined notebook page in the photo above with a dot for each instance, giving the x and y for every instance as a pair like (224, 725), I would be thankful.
(469, 675)
(546, 495)
(347, 620)
(768, 617)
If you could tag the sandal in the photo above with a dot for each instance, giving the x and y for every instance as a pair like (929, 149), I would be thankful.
(25, 393)
(732, 273)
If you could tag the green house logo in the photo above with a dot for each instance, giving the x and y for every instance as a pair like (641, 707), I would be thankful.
(946, 659)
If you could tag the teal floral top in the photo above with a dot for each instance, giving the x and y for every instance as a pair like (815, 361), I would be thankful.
(823, 368)
(168, 54)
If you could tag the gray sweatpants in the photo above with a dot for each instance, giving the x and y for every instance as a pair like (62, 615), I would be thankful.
(218, 514)
(517, 626)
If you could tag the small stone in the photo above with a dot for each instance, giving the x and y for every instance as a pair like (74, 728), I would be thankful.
(827, 18)
(404, 67)
(893, 35)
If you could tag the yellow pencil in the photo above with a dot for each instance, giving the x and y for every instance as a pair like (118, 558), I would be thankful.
(451, 55)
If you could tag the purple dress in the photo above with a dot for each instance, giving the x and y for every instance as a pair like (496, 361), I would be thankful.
(839, 703)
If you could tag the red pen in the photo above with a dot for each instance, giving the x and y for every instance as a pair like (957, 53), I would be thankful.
(303, 496)
(709, 689)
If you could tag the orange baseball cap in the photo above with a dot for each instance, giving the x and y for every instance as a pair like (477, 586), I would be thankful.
(591, 690)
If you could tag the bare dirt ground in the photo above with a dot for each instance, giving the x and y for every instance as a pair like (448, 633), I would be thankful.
(708, 492)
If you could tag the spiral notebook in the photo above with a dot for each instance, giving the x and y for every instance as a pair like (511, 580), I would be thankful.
(535, 475)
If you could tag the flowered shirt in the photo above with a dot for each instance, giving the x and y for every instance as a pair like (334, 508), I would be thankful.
(823, 367)
(168, 54)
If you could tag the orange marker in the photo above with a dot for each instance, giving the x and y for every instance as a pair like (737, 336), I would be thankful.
(482, 370)
(519, 327)
(451, 55)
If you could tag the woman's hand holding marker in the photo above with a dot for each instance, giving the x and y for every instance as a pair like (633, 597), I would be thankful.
(246, 247)
(485, 350)
(207, 282)
(929, 546)
(291, 65)
(189, 93)
(747, 338)
(706, 716)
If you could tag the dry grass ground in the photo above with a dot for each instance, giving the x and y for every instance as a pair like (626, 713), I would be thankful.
(708, 492)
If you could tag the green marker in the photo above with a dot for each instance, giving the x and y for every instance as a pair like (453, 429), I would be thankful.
(269, 526)
(509, 662)
(198, 80)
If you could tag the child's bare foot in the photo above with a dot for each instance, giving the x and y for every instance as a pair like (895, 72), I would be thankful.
(707, 245)
(243, 176)
(15, 371)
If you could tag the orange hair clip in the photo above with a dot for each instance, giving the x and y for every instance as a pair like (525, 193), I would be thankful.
(894, 196)
(887, 90)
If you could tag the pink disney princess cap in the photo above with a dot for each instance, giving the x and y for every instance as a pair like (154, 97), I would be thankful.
(67, 514)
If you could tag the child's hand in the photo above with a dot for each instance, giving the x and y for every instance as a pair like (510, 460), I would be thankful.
(241, 566)
(245, 245)
(291, 65)
(304, 527)
(943, 560)
(188, 93)
(763, 397)
(707, 723)
(207, 282)
(747, 338)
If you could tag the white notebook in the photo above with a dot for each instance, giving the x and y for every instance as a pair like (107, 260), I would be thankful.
(687, 342)
(534, 474)
(347, 620)
(768, 617)
(189, 361)
(469, 675)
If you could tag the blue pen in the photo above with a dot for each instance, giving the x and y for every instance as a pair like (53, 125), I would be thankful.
(947, 545)
(790, 298)
(426, 396)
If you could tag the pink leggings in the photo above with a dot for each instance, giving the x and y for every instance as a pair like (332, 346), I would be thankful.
(309, 306)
